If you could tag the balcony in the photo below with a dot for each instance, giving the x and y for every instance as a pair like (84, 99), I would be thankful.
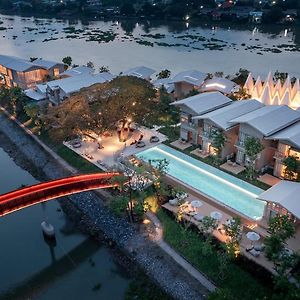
(189, 126)
(279, 155)
(240, 144)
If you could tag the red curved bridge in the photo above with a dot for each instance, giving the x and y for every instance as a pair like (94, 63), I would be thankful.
(45, 191)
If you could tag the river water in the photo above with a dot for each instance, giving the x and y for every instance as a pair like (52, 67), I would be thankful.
(174, 45)
(32, 269)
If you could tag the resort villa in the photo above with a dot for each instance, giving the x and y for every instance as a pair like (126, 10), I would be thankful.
(219, 84)
(18, 72)
(140, 72)
(58, 90)
(288, 145)
(195, 106)
(187, 81)
(275, 126)
(261, 124)
(219, 121)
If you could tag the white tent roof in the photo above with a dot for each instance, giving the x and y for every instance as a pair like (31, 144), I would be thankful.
(204, 102)
(141, 72)
(286, 194)
(191, 76)
(269, 119)
(289, 135)
(222, 85)
(222, 116)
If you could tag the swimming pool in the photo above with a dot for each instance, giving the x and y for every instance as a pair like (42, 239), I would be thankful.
(227, 189)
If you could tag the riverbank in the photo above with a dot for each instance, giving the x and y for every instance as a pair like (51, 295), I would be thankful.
(140, 251)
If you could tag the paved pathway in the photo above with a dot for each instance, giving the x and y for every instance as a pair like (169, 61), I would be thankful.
(178, 258)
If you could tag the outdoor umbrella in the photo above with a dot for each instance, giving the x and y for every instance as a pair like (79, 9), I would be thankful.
(216, 215)
(252, 236)
(196, 203)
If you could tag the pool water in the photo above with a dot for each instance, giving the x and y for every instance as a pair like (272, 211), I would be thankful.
(220, 186)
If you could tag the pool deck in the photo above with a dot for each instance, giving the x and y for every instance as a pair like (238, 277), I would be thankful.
(181, 145)
(232, 168)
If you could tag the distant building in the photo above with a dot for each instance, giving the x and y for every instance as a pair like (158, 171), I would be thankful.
(271, 93)
(196, 106)
(140, 72)
(187, 81)
(219, 84)
(18, 72)
(57, 91)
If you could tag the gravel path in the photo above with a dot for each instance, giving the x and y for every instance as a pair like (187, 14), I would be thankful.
(158, 265)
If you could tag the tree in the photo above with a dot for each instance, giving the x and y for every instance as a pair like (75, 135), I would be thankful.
(253, 147)
(67, 60)
(241, 76)
(103, 69)
(100, 107)
(90, 64)
(164, 74)
(127, 9)
(291, 170)
(32, 110)
(207, 226)
(282, 76)
(233, 230)
(281, 228)
(218, 141)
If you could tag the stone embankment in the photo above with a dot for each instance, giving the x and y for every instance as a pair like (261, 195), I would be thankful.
(144, 253)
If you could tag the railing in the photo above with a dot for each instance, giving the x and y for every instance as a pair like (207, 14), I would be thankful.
(42, 192)
(279, 155)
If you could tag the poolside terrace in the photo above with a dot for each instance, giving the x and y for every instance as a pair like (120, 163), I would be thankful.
(112, 150)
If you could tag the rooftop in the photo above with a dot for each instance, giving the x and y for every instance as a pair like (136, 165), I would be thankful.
(269, 119)
(222, 116)
(140, 72)
(74, 84)
(286, 194)
(191, 76)
(77, 71)
(219, 84)
(205, 102)
(21, 65)
(289, 135)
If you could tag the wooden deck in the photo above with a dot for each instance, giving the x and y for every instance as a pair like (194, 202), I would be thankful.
(232, 168)
(268, 179)
(180, 145)
(200, 153)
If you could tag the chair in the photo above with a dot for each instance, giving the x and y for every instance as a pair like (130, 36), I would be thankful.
(198, 217)
(254, 252)
(174, 202)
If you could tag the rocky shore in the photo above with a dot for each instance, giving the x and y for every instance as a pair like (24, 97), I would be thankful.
(97, 219)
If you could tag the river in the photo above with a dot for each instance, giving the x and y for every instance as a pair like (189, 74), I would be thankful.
(176, 46)
(75, 268)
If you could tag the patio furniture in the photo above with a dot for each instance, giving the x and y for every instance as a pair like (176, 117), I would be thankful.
(259, 247)
(198, 217)
(254, 252)
(140, 144)
(154, 139)
(249, 247)
(174, 202)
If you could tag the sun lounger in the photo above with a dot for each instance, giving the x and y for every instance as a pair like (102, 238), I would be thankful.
(198, 217)
(254, 252)
(259, 247)
(174, 202)
(249, 248)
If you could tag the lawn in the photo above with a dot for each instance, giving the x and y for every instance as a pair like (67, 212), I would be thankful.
(239, 283)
